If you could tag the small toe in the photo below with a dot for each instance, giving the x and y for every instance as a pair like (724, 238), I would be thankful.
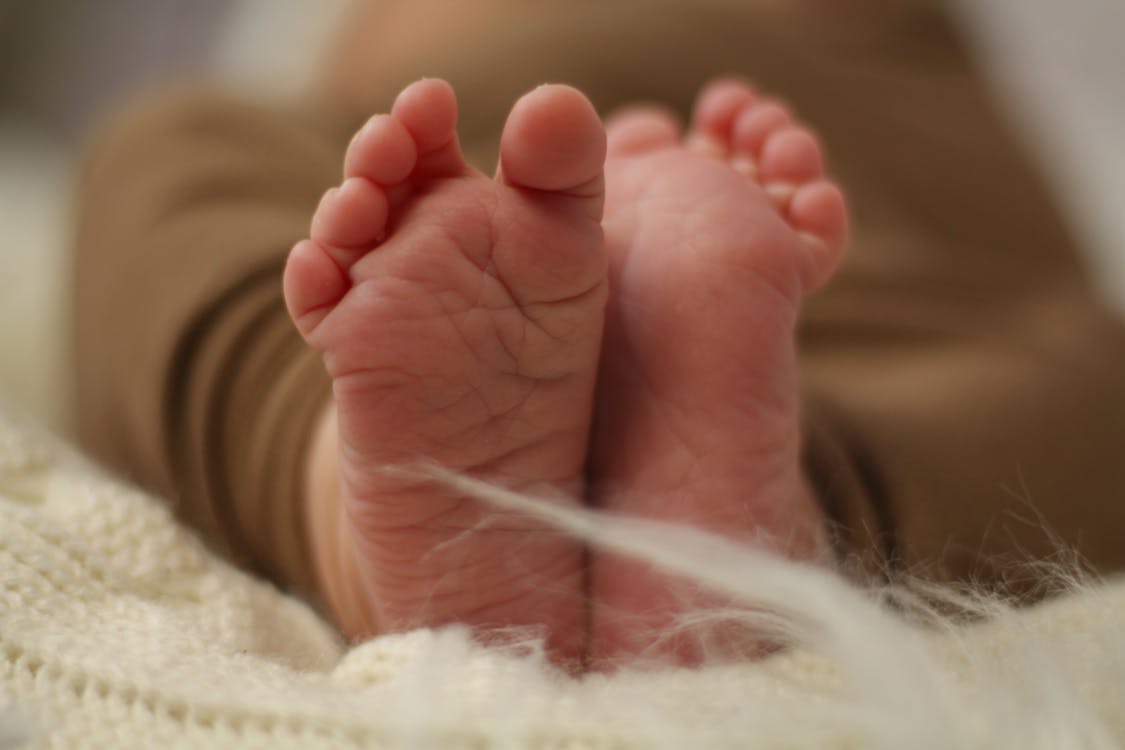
(383, 151)
(427, 109)
(639, 130)
(351, 217)
(754, 124)
(554, 141)
(313, 283)
(791, 154)
(718, 104)
(819, 211)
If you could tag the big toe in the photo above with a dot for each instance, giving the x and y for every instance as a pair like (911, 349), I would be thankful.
(554, 141)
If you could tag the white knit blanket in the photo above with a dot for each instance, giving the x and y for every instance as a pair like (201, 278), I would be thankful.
(119, 630)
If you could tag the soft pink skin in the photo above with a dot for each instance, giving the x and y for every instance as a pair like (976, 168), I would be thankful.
(712, 246)
(460, 318)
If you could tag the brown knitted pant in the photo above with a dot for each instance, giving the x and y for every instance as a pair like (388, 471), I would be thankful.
(961, 387)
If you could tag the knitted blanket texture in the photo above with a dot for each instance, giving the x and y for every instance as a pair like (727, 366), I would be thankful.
(118, 629)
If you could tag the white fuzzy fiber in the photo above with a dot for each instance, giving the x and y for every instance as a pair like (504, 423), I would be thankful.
(119, 630)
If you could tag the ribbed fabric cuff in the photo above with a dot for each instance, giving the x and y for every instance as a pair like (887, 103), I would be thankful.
(851, 491)
(241, 431)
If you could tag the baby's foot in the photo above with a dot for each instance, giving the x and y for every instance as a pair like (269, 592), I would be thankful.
(713, 242)
(460, 318)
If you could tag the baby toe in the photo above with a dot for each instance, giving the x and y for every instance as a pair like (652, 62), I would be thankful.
(791, 154)
(350, 218)
(719, 104)
(818, 211)
(312, 284)
(755, 123)
(427, 109)
(383, 151)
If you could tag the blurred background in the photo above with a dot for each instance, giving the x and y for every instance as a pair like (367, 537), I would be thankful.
(1059, 69)
(63, 65)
